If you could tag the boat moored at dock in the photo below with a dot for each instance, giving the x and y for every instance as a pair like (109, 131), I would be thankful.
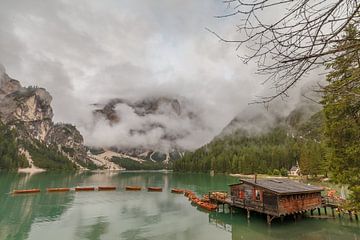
(177, 190)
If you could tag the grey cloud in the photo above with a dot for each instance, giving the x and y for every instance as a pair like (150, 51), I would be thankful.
(86, 52)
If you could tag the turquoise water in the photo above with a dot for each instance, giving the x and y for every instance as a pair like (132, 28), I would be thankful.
(140, 215)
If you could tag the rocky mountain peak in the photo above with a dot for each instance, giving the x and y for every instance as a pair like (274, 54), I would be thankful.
(29, 111)
(8, 85)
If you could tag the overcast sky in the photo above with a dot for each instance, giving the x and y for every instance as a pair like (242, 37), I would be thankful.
(86, 51)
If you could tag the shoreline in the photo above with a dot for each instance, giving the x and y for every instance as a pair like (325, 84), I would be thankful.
(31, 170)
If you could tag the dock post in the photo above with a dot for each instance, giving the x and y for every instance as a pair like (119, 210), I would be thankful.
(282, 218)
(356, 216)
(319, 212)
(312, 212)
(248, 213)
(325, 210)
(268, 219)
(350, 215)
(332, 212)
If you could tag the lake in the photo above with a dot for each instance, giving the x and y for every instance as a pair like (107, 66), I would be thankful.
(140, 215)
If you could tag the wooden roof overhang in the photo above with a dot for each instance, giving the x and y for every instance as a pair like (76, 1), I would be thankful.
(281, 186)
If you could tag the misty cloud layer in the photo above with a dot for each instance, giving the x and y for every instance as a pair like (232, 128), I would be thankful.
(87, 52)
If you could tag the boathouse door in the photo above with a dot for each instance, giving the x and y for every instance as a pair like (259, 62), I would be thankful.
(248, 194)
(270, 201)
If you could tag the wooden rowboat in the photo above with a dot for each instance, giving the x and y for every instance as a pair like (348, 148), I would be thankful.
(155, 189)
(78, 189)
(132, 188)
(177, 190)
(208, 206)
(58, 189)
(35, 190)
(188, 193)
(106, 188)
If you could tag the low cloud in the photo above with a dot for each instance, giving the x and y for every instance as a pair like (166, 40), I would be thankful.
(86, 52)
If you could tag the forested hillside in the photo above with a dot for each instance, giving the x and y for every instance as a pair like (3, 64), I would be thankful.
(9, 154)
(272, 152)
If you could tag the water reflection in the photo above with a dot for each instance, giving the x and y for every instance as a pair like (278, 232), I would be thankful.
(139, 215)
(256, 228)
(17, 213)
(94, 231)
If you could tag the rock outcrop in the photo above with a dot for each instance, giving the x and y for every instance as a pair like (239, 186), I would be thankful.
(28, 110)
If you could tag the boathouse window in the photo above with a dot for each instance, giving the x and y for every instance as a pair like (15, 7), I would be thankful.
(241, 194)
(257, 195)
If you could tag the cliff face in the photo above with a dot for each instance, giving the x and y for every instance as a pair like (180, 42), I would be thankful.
(28, 111)
(67, 138)
(30, 107)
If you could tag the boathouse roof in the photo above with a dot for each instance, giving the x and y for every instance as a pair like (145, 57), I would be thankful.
(282, 186)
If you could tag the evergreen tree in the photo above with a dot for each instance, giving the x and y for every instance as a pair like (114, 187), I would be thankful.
(342, 113)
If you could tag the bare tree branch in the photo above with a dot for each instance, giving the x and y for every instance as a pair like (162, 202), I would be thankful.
(294, 43)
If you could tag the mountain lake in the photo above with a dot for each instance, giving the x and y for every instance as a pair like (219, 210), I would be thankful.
(139, 215)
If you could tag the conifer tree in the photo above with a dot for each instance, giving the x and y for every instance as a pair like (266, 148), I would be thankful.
(342, 114)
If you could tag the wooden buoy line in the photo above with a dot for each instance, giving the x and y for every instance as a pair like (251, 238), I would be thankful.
(203, 203)
(85, 189)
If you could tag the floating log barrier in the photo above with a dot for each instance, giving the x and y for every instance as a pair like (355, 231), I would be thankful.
(154, 189)
(132, 188)
(25, 191)
(177, 190)
(82, 189)
(58, 189)
(106, 188)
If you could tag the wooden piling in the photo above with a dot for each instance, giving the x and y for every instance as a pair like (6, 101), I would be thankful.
(332, 212)
(248, 213)
(268, 219)
(319, 211)
(325, 210)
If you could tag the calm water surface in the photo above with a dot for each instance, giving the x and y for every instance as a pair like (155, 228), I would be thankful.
(139, 215)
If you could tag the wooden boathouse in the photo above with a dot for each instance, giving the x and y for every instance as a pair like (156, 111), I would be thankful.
(273, 197)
